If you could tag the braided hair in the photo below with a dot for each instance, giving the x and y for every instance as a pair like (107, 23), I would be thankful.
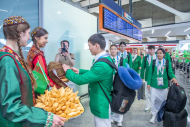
(13, 33)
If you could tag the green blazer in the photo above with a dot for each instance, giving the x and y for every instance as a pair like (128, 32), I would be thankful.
(99, 72)
(152, 76)
(13, 111)
(137, 64)
(129, 61)
(144, 69)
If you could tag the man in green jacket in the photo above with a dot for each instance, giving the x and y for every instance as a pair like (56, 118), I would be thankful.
(136, 61)
(144, 73)
(100, 74)
(126, 55)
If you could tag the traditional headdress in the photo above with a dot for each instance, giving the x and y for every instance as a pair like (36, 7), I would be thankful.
(35, 31)
(14, 20)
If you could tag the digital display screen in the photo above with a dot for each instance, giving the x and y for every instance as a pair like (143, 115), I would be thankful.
(110, 20)
(114, 23)
(121, 26)
(140, 35)
(135, 33)
(129, 30)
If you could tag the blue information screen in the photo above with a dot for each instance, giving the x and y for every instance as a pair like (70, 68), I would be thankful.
(135, 33)
(114, 23)
(129, 30)
(110, 20)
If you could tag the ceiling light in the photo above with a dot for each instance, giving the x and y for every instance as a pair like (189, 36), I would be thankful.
(59, 12)
(3, 10)
(168, 33)
(152, 31)
(117, 38)
(187, 29)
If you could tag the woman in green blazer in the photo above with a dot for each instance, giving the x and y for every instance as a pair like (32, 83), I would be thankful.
(158, 82)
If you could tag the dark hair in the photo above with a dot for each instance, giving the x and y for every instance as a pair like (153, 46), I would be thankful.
(99, 39)
(40, 33)
(135, 48)
(151, 47)
(122, 42)
(113, 45)
(141, 54)
(64, 41)
(13, 33)
(162, 50)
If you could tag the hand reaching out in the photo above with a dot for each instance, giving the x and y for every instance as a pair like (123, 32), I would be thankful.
(66, 67)
(75, 70)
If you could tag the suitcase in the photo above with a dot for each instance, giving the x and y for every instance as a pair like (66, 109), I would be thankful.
(171, 119)
(141, 92)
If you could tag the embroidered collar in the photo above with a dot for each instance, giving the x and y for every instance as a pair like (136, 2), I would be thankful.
(32, 54)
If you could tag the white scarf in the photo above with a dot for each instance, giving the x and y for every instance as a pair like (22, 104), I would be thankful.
(149, 58)
(134, 57)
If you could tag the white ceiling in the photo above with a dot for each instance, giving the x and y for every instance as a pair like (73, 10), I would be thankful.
(161, 31)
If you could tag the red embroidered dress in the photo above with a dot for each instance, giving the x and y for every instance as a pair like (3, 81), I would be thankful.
(35, 55)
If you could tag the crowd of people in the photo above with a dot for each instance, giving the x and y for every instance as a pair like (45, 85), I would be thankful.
(17, 95)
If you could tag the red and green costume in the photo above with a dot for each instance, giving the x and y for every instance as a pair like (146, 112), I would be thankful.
(17, 94)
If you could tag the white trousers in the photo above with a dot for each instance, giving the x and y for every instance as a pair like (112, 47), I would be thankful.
(99, 122)
(117, 117)
(158, 96)
(147, 96)
(71, 85)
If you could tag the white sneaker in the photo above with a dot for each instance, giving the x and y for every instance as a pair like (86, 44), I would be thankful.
(147, 109)
(153, 119)
(119, 124)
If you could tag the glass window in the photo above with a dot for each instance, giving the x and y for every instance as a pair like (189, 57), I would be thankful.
(26, 8)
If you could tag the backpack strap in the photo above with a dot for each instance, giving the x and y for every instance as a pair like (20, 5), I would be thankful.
(153, 65)
(128, 55)
(121, 61)
(167, 63)
(111, 65)
(16, 65)
(105, 94)
(108, 62)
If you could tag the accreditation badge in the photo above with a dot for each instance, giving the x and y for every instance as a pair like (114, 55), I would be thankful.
(160, 81)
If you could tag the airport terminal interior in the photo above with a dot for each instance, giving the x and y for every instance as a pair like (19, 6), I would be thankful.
(137, 29)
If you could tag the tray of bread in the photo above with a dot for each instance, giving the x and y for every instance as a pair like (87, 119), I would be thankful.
(62, 102)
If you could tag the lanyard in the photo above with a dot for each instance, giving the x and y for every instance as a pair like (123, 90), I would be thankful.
(117, 59)
(160, 67)
(105, 55)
